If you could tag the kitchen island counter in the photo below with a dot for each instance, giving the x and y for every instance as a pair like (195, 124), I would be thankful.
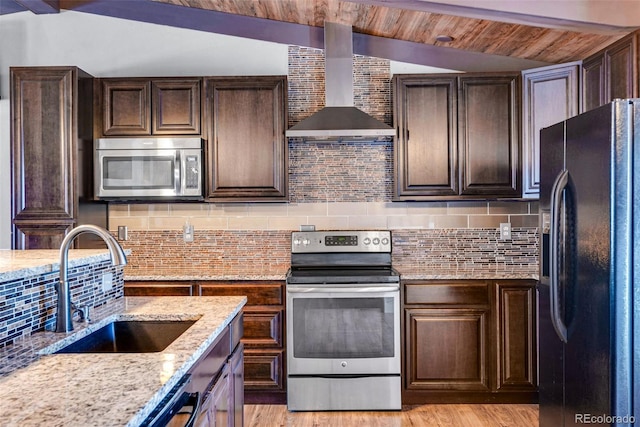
(108, 389)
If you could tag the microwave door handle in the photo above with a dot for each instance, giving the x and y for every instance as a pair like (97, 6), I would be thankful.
(557, 190)
(177, 173)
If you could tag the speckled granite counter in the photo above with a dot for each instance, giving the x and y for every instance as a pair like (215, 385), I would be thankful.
(19, 264)
(107, 389)
(406, 275)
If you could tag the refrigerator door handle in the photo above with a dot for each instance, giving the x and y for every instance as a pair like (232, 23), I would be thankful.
(560, 184)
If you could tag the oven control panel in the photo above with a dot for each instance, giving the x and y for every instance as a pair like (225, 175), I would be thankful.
(340, 241)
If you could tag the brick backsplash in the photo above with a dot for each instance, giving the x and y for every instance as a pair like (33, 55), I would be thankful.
(371, 84)
(334, 186)
(228, 253)
(340, 172)
(28, 305)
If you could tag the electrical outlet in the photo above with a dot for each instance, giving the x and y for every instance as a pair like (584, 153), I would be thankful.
(505, 231)
(123, 232)
(107, 282)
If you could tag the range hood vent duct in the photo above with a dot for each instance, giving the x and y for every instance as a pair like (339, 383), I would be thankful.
(339, 119)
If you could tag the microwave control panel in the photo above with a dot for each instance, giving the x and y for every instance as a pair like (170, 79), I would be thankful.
(192, 174)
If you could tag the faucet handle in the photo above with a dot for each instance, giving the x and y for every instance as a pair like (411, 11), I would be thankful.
(83, 312)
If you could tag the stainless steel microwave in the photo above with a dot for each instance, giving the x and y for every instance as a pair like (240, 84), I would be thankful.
(148, 168)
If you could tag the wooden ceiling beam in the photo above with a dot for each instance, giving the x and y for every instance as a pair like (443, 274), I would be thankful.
(40, 7)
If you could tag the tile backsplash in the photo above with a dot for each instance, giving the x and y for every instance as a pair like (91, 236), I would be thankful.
(28, 305)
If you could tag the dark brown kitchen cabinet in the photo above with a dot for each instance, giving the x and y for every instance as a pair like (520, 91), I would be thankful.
(458, 136)
(246, 118)
(515, 320)
(264, 331)
(157, 288)
(611, 73)
(143, 106)
(217, 378)
(263, 325)
(51, 156)
(549, 95)
(469, 341)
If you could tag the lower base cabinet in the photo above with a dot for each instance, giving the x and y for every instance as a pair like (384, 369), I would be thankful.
(224, 405)
(264, 347)
(469, 341)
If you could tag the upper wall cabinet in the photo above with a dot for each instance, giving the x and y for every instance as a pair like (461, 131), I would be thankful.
(51, 152)
(458, 136)
(142, 106)
(246, 118)
(611, 73)
(549, 95)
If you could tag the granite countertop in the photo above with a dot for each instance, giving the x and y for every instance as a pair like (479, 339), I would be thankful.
(405, 275)
(16, 264)
(119, 389)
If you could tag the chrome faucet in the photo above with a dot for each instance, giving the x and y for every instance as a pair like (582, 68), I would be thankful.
(63, 315)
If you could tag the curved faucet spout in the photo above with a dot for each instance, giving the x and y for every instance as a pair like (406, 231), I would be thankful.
(118, 258)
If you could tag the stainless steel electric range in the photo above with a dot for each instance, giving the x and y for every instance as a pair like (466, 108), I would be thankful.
(343, 322)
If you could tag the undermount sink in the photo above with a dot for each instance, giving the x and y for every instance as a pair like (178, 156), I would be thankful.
(130, 336)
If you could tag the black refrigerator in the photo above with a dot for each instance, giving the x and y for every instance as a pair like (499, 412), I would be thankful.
(589, 288)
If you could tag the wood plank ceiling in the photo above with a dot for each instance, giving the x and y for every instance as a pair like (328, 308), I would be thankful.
(388, 20)
(402, 30)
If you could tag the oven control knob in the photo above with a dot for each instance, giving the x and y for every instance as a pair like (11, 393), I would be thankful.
(306, 242)
(343, 364)
(376, 241)
(366, 240)
(385, 241)
(296, 242)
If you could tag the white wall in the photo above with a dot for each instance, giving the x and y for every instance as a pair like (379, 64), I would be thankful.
(112, 47)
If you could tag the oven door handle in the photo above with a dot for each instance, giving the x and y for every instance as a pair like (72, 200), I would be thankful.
(344, 289)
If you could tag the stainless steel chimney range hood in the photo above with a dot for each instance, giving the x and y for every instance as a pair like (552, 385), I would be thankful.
(339, 120)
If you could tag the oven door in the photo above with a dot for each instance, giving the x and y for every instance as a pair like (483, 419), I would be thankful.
(343, 329)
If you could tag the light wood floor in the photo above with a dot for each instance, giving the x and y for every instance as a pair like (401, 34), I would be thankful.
(414, 416)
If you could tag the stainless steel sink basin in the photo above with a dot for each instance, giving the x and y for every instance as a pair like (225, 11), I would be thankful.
(130, 336)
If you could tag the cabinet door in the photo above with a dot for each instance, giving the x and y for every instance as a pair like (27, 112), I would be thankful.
(488, 135)
(621, 69)
(593, 82)
(550, 95)
(247, 151)
(446, 349)
(216, 408)
(515, 328)
(236, 363)
(426, 159)
(44, 146)
(611, 73)
(126, 107)
(175, 106)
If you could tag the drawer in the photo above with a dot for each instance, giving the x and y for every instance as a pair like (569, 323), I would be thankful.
(447, 292)
(206, 369)
(157, 288)
(237, 331)
(263, 327)
(257, 293)
(263, 370)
